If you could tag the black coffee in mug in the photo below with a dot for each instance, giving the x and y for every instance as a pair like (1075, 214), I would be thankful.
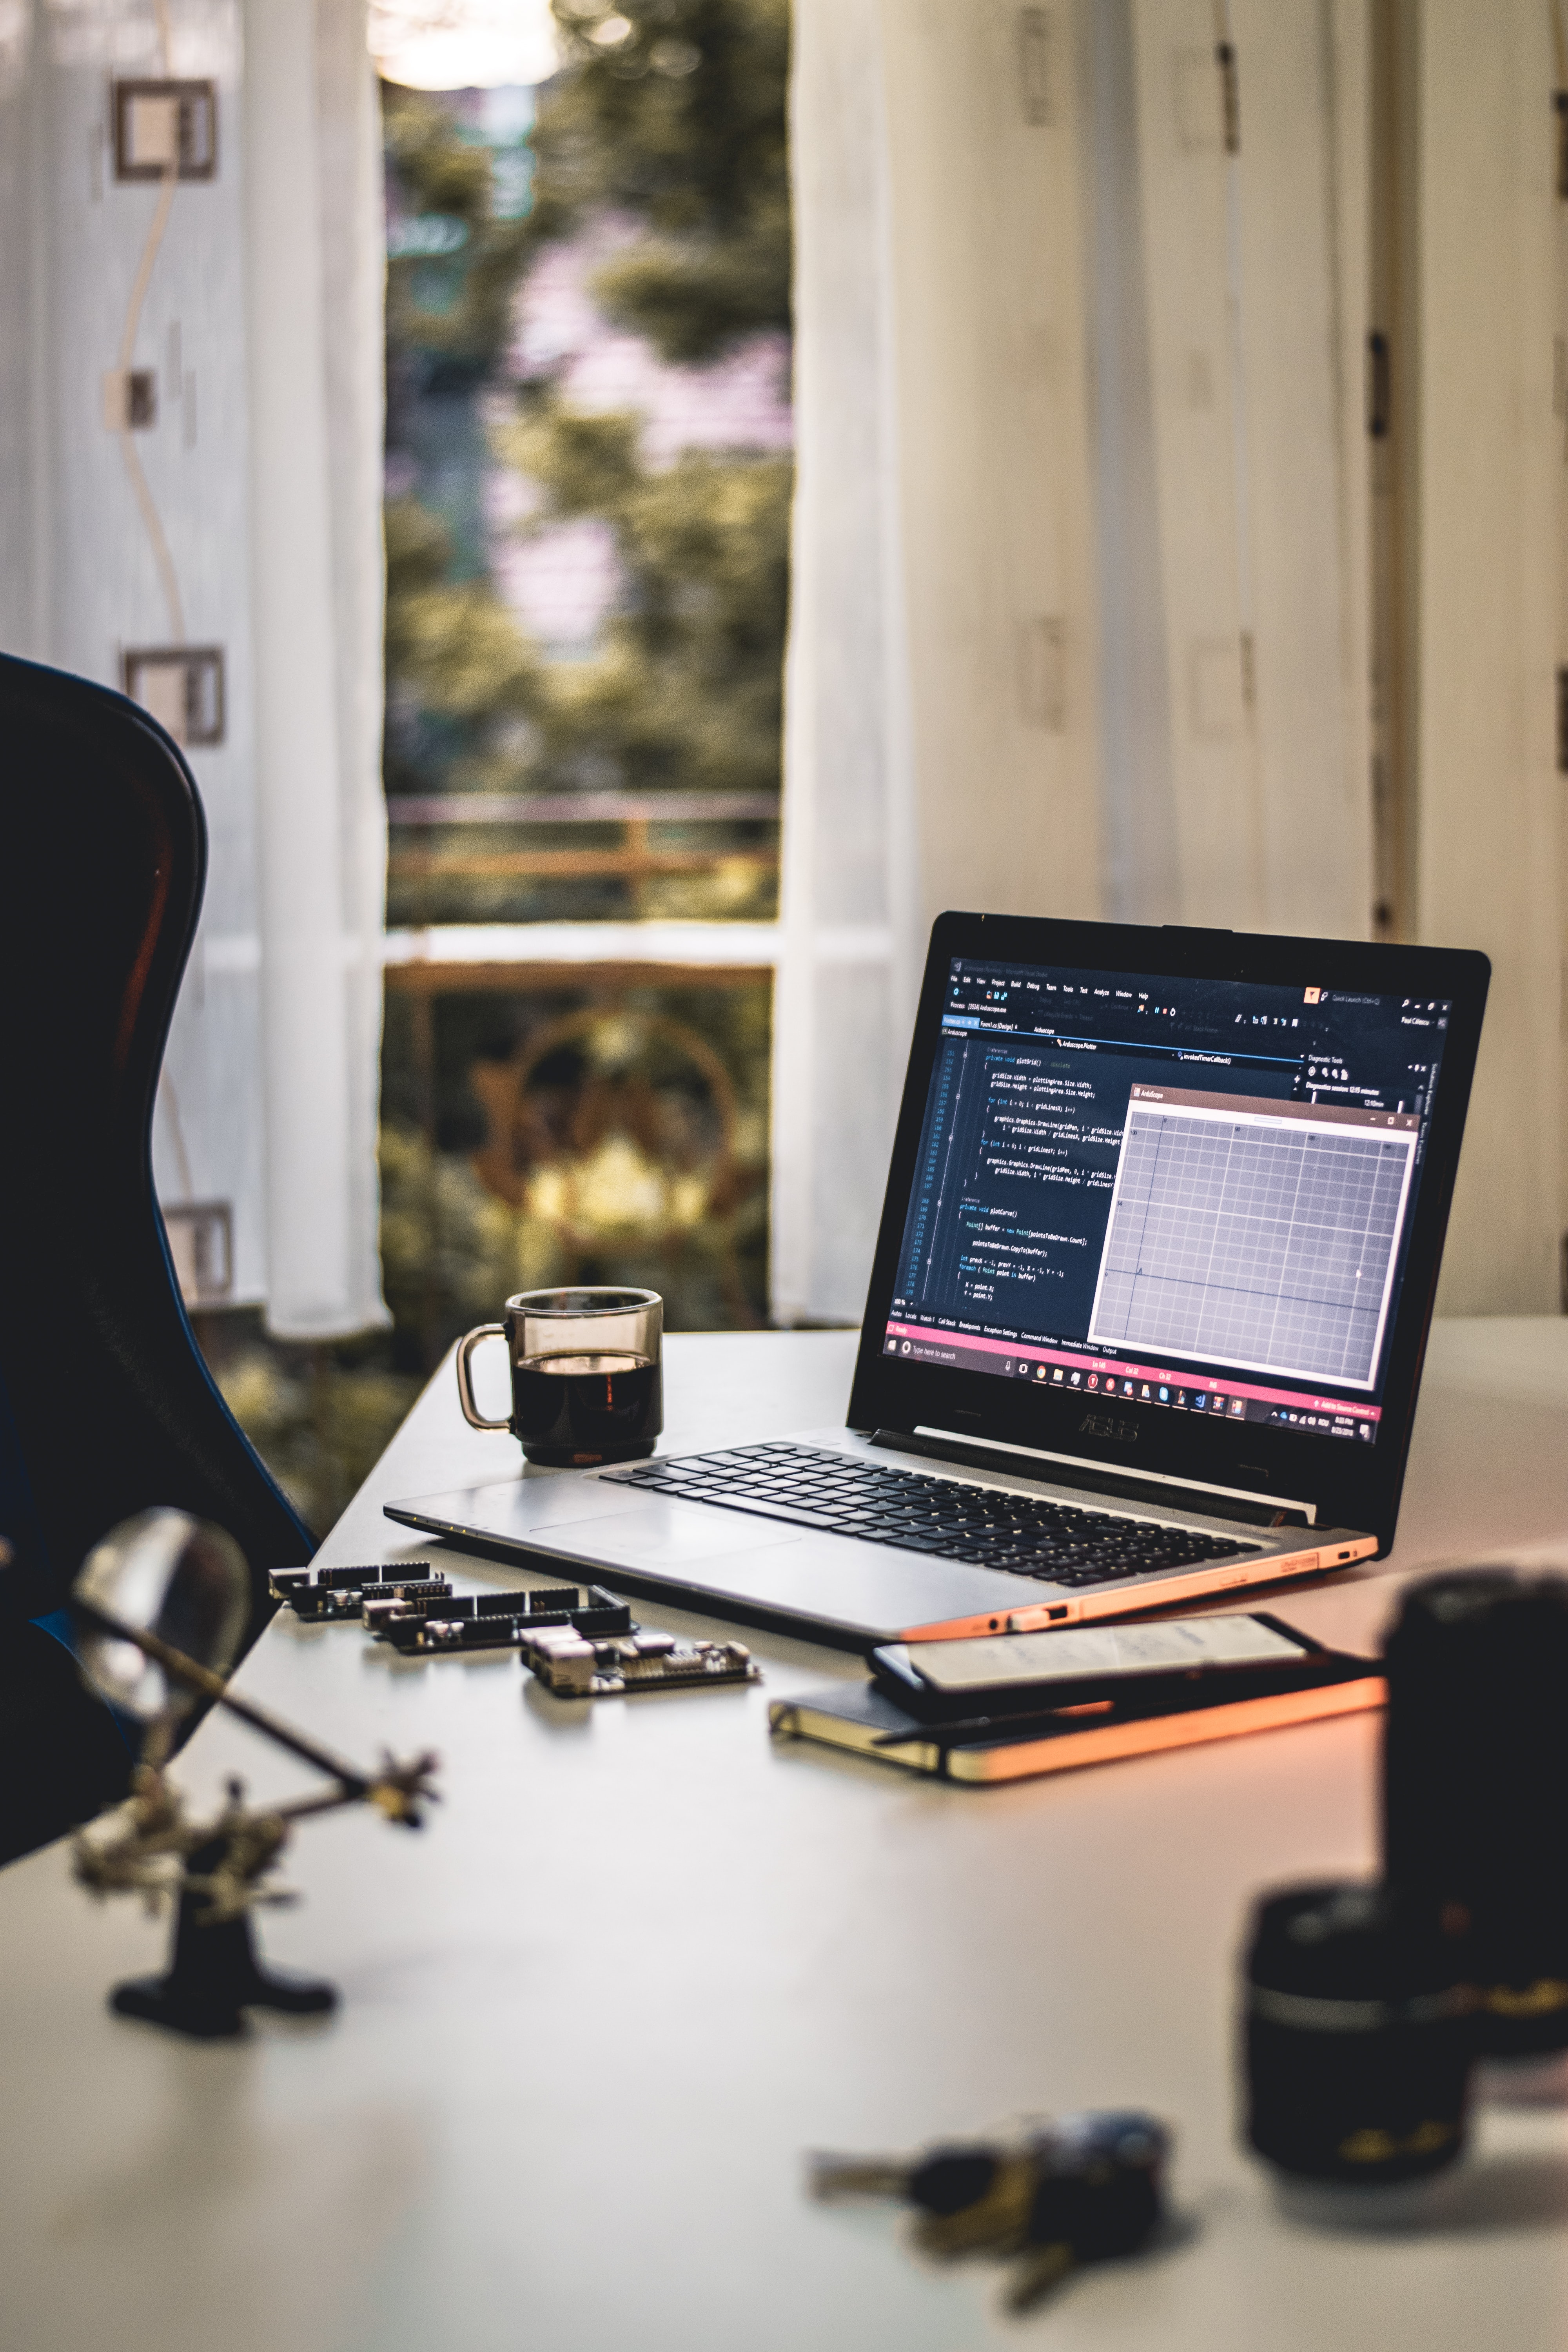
(570, 1408)
(586, 1381)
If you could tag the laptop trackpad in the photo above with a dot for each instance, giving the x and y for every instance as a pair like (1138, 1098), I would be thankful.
(663, 1534)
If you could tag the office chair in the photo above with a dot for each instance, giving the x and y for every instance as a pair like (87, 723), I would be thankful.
(106, 1406)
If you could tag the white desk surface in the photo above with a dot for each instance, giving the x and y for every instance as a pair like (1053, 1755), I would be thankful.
(642, 1960)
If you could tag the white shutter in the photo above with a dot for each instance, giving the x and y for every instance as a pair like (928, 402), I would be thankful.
(1251, 327)
(1488, 820)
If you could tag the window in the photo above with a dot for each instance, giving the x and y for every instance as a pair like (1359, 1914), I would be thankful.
(587, 501)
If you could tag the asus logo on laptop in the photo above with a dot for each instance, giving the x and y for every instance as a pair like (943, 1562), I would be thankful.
(1101, 1425)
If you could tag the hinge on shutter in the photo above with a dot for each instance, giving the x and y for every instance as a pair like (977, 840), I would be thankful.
(1377, 385)
(1035, 64)
(1229, 95)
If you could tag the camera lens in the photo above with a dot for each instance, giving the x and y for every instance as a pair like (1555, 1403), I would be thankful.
(1357, 2035)
(1476, 1789)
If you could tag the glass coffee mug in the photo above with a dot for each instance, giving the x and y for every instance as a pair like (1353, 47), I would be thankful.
(586, 1381)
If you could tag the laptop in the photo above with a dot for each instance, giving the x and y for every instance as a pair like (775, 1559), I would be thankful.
(1146, 1317)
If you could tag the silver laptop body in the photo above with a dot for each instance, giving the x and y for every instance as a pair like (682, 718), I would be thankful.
(1147, 1313)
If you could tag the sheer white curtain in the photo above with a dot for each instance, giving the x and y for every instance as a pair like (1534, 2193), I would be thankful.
(243, 516)
(95, 272)
(849, 922)
(314, 267)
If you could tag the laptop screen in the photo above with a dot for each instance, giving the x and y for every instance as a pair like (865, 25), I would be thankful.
(1188, 1193)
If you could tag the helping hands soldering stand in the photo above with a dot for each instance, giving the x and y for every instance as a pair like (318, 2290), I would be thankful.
(215, 1973)
(215, 1870)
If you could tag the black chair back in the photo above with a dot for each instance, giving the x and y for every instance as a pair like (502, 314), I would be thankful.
(105, 1405)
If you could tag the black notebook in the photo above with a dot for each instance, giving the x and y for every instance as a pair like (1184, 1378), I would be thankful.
(863, 1718)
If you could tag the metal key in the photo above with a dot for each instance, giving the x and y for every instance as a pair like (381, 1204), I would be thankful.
(1079, 2191)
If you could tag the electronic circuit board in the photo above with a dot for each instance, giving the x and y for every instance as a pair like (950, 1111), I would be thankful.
(482, 1623)
(418, 1614)
(336, 1595)
(573, 1668)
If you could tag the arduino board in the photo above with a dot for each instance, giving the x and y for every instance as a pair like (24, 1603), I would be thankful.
(574, 1667)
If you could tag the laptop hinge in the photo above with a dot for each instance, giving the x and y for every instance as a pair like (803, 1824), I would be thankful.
(1145, 1486)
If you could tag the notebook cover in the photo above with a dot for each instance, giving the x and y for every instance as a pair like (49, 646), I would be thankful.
(857, 1716)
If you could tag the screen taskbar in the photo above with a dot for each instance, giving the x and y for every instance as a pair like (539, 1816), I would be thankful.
(1102, 1376)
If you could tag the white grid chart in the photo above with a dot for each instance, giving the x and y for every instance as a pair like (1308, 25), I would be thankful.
(1262, 1244)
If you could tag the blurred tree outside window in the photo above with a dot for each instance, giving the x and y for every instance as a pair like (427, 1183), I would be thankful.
(588, 481)
(588, 476)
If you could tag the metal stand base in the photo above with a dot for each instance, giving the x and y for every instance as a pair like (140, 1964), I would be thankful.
(214, 1975)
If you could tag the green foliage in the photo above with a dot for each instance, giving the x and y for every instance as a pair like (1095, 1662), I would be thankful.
(458, 307)
(460, 648)
(418, 547)
(588, 464)
(452, 1249)
(320, 1417)
(679, 123)
(669, 115)
(447, 1245)
(688, 690)
(455, 657)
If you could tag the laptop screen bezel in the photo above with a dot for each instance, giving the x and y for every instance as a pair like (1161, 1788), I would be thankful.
(1349, 1485)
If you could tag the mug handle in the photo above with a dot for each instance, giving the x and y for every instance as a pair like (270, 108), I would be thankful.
(466, 1347)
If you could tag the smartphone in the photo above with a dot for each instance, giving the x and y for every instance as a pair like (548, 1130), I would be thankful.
(1183, 1661)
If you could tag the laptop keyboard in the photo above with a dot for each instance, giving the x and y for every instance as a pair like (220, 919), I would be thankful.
(1029, 1536)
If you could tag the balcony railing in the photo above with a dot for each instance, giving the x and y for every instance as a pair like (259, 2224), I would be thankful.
(640, 819)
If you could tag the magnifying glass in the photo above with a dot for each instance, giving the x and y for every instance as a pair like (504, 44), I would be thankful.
(176, 1579)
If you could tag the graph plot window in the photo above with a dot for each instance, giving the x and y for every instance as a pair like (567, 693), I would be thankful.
(1257, 1234)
